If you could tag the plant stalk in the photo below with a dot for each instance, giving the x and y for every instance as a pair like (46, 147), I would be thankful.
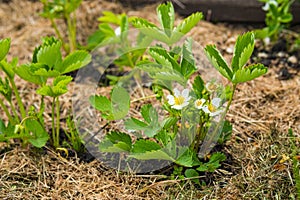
(11, 120)
(53, 124)
(20, 104)
(57, 121)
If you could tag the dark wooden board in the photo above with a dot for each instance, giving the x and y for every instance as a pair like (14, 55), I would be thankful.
(221, 10)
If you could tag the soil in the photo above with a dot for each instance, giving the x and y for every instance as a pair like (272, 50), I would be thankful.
(262, 112)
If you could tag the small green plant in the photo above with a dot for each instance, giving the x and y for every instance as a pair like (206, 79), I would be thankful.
(147, 32)
(191, 112)
(278, 16)
(75, 142)
(47, 64)
(24, 125)
(66, 10)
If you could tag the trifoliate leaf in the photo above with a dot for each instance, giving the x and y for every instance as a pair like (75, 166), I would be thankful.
(120, 100)
(166, 17)
(242, 51)
(39, 135)
(218, 61)
(249, 73)
(74, 61)
(4, 46)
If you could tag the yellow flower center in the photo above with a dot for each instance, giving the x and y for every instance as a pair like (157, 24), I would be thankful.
(199, 103)
(212, 108)
(179, 100)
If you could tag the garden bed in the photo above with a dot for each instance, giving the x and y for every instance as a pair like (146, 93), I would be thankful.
(262, 112)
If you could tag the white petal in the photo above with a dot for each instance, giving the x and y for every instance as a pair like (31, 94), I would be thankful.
(215, 113)
(216, 102)
(176, 92)
(177, 107)
(185, 93)
(171, 99)
(118, 31)
(205, 109)
(202, 101)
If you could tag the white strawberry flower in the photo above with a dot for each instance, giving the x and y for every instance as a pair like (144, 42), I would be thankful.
(266, 7)
(180, 99)
(213, 108)
(199, 103)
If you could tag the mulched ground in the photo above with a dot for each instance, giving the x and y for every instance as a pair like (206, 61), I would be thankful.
(262, 113)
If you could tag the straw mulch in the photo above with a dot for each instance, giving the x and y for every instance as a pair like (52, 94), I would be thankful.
(257, 167)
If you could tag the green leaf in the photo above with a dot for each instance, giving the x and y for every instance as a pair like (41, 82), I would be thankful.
(39, 135)
(226, 132)
(59, 87)
(249, 73)
(5, 89)
(188, 66)
(242, 51)
(185, 26)
(142, 146)
(2, 127)
(148, 150)
(190, 173)
(186, 158)
(218, 61)
(110, 17)
(135, 124)
(4, 46)
(116, 142)
(74, 61)
(152, 155)
(213, 164)
(100, 103)
(198, 87)
(26, 72)
(166, 17)
(145, 111)
(164, 58)
(124, 26)
(8, 67)
(151, 127)
(150, 30)
(50, 55)
(120, 101)
(169, 122)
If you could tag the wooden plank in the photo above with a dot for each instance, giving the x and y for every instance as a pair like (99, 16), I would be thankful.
(221, 10)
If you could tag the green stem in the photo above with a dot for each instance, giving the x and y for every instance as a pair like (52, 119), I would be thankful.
(53, 23)
(41, 111)
(11, 120)
(13, 108)
(53, 124)
(21, 106)
(231, 97)
(72, 33)
(57, 121)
